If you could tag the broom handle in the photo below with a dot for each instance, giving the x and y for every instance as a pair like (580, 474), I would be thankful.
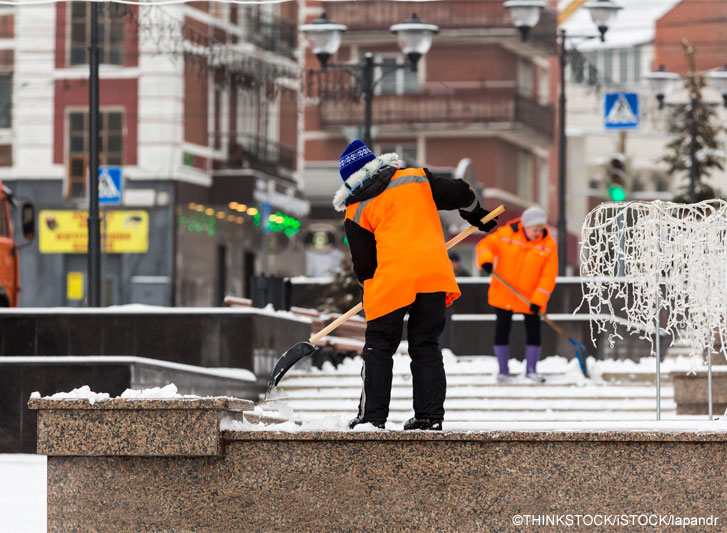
(356, 309)
(545, 318)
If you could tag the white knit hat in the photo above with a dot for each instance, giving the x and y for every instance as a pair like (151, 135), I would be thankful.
(534, 216)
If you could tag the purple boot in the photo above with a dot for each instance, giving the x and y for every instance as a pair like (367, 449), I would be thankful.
(532, 354)
(503, 356)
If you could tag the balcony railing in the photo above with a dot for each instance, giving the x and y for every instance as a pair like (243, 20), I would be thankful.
(445, 109)
(269, 32)
(252, 151)
(370, 15)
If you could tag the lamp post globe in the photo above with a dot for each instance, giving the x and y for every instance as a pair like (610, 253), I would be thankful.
(602, 14)
(414, 37)
(524, 14)
(325, 37)
(661, 83)
(719, 79)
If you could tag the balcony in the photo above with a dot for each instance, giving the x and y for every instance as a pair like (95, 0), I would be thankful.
(252, 151)
(378, 15)
(269, 32)
(489, 108)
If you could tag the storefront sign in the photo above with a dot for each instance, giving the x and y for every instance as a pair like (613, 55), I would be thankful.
(66, 232)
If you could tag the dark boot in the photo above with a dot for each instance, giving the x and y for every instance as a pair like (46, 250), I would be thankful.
(359, 420)
(503, 356)
(433, 424)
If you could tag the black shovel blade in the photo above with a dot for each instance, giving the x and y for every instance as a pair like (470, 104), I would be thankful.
(287, 360)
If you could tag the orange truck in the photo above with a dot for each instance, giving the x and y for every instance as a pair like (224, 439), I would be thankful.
(9, 265)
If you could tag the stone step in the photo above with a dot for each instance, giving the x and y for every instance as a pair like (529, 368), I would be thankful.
(485, 405)
(323, 381)
(490, 393)
(463, 417)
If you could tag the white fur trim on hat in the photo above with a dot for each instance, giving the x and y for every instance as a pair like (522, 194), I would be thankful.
(358, 177)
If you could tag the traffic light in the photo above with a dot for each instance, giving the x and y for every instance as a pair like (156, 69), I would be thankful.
(617, 178)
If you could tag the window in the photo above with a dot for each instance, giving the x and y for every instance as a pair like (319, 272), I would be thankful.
(525, 176)
(623, 66)
(591, 64)
(393, 80)
(526, 83)
(111, 20)
(6, 99)
(4, 229)
(544, 86)
(637, 64)
(407, 152)
(608, 67)
(110, 147)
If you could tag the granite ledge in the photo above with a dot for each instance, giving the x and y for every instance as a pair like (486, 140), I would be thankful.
(484, 436)
(226, 403)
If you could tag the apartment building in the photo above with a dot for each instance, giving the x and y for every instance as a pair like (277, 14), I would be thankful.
(198, 115)
(644, 36)
(479, 94)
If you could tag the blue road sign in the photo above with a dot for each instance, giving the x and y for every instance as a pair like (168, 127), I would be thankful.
(110, 185)
(621, 111)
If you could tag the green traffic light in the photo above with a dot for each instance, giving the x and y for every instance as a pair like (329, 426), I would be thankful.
(616, 193)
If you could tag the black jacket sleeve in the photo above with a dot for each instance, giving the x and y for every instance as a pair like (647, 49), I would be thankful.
(362, 244)
(450, 193)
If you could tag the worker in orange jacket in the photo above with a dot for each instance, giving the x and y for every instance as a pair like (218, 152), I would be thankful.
(399, 256)
(525, 255)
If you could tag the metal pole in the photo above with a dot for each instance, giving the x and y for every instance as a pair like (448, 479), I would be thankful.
(368, 87)
(709, 375)
(658, 353)
(94, 221)
(562, 226)
(693, 152)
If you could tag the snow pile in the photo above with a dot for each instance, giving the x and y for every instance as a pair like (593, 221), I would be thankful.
(329, 423)
(81, 393)
(156, 393)
(168, 392)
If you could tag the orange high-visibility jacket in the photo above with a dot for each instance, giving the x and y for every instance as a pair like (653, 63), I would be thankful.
(529, 266)
(410, 248)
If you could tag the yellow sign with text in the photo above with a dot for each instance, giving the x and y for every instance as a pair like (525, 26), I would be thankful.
(66, 232)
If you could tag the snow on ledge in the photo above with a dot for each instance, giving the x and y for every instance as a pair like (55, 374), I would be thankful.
(221, 372)
(168, 392)
(138, 309)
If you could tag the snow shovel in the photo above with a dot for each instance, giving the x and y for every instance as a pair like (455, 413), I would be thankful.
(581, 353)
(303, 349)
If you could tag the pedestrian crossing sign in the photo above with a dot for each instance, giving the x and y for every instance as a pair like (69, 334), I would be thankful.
(621, 111)
(110, 185)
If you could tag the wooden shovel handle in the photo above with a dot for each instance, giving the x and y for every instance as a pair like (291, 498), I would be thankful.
(454, 240)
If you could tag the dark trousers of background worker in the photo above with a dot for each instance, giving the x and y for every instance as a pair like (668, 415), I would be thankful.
(383, 335)
(502, 340)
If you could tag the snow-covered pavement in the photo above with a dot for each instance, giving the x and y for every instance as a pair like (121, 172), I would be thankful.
(22, 493)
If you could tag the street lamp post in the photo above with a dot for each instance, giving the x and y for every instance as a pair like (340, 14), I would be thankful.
(662, 82)
(525, 14)
(414, 38)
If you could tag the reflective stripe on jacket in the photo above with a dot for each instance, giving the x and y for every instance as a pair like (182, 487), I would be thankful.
(529, 266)
(410, 248)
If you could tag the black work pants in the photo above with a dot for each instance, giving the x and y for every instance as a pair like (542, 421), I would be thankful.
(504, 323)
(383, 335)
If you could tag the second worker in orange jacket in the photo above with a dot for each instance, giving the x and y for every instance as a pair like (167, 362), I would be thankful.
(524, 254)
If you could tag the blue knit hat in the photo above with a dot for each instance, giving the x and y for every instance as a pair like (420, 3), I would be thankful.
(353, 158)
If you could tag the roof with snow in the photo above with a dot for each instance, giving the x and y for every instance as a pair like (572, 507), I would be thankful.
(634, 24)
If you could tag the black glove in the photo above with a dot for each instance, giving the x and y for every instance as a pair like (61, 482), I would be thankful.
(487, 268)
(535, 309)
(475, 217)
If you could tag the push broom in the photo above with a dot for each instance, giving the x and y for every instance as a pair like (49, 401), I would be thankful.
(580, 349)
